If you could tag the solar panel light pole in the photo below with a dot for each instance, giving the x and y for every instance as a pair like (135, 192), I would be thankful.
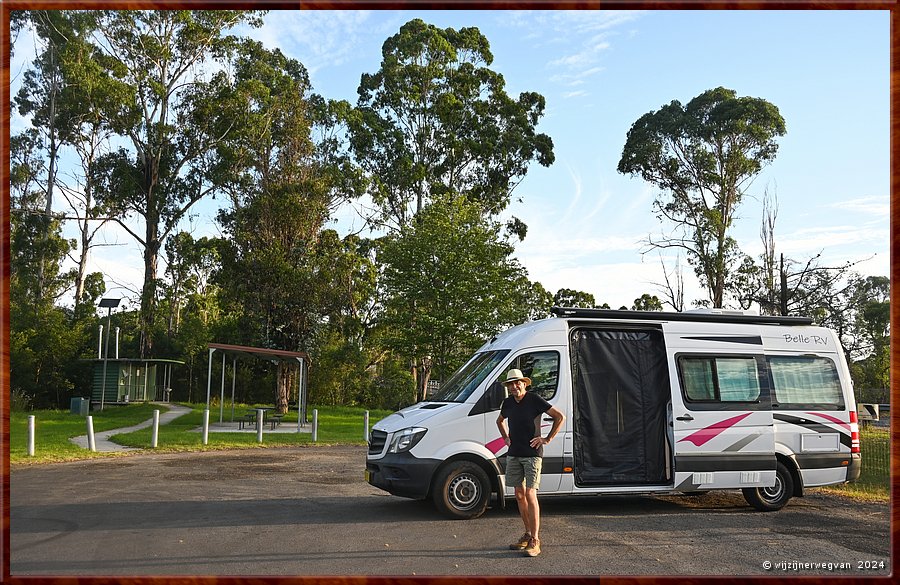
(109, 304)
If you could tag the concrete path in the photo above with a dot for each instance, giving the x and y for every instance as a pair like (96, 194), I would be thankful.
(101, 439)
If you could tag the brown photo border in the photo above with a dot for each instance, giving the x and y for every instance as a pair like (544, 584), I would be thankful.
(8, 5)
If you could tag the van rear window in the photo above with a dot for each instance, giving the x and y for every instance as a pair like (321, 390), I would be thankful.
(803, 382)
(720, 379)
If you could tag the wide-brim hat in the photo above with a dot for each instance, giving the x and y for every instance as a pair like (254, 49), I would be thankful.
(515, 375)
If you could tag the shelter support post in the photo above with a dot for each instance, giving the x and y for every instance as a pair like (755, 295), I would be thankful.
(233, 380)
(209, 377)
(222, 392)
(301, 402)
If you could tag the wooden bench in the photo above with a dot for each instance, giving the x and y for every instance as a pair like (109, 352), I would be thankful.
(275, 419)
(247, 419)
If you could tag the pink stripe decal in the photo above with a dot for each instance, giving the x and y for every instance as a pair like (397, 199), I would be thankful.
(828, 417)
(703, 435)
(496, 445)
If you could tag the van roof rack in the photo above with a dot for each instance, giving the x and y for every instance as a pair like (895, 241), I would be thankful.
(704, 316)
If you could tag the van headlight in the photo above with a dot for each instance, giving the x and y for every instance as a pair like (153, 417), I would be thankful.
(406, 439)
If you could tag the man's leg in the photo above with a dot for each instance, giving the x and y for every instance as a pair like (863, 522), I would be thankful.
(524, 507)
(533, 523)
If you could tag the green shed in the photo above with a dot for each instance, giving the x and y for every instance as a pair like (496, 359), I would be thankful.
(132, 380)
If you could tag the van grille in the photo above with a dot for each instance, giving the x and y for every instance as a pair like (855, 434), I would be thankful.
(376, 442)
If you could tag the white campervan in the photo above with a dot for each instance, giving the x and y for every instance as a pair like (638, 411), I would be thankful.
(655, 403)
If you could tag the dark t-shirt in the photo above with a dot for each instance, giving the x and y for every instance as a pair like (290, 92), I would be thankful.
(524, 421)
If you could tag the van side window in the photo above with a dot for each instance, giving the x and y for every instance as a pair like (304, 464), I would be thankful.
(719, 379)
(543, 369)
(802, 381)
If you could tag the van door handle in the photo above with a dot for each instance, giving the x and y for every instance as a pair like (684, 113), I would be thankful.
(686, 417)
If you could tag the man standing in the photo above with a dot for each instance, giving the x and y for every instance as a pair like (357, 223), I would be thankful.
(524, 411)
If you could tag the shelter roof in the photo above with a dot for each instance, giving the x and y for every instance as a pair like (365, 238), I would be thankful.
(263, 353)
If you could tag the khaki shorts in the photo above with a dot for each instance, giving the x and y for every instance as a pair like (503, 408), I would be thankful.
(523, 470)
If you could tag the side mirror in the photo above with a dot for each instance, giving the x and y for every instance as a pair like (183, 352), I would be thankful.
(497, 393)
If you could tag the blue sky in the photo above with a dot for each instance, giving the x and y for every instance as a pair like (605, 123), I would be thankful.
(826, 71)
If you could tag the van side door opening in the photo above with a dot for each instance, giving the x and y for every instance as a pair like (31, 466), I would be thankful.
(621, 395)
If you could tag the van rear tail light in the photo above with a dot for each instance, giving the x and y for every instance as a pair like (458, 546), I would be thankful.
(854, 432)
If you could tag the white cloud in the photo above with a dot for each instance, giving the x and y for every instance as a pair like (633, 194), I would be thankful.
(813, 240)
(880, 206)
(573, 94)
(575, 78)
(318, 39)
(584, 58)
(573, 40)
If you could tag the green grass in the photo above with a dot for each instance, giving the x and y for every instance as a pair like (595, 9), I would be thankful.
(874, 483)
(337, 425)
(53, 428)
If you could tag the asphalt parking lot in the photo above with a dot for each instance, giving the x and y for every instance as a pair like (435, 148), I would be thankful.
(307, 511)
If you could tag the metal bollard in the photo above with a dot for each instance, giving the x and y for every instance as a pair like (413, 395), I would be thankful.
(206, 427)
(31, 436)
(259, 424)
(92, 443)
(315, 429)
(366, 426)
(154, 436)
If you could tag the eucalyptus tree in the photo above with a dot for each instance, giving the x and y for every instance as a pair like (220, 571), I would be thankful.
(872, 368)
(703, 156)
(64, 96)
(436, 120)
(167, 59)
(456, 267)
(43, 339)
(39, 99)
(567, 297)
(283, 274)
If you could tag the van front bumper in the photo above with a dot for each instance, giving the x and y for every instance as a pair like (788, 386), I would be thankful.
(402, 474)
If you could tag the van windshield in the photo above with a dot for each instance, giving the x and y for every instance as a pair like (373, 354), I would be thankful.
(466, 379)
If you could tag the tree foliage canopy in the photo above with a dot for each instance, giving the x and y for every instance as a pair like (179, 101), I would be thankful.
(450, 282)
(436, 120)
(703, 156)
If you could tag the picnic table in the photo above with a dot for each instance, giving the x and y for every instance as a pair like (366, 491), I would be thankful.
(250, 417)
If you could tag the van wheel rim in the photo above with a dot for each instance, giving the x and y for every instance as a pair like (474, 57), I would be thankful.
(464, 492)
(774, 493)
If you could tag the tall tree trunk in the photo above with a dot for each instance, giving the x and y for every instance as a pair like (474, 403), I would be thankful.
(286, 374)
(52, 154)
(425, 378)
(784, 290)
(148, 294)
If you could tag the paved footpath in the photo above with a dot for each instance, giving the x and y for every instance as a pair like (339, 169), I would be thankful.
(101, 439)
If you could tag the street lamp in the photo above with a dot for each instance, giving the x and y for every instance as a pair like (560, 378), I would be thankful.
(109, 304)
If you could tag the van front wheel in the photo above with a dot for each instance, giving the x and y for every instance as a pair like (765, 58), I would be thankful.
(462, 490)
(770, 499)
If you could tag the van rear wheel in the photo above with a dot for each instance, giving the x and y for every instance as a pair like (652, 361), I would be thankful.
(461, 490)
(770, 499)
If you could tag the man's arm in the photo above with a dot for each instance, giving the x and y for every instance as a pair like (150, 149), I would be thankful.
(558, 418)
(501, 424)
